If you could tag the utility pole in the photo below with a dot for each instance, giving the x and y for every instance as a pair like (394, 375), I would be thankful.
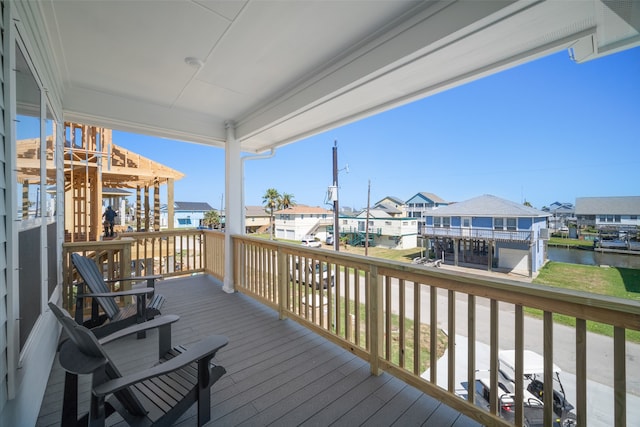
(336, 221)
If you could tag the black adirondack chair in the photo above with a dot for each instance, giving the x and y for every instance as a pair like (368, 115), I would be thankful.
(113, 317)
(156, 396)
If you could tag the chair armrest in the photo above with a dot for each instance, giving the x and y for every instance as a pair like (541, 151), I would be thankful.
(135, 278)
(137, 291)
(204, 348)
(144, 326)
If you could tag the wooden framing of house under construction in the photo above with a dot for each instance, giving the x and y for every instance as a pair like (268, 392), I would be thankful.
(92, 162)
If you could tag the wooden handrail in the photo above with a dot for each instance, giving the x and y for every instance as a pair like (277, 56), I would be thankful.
(382, 288)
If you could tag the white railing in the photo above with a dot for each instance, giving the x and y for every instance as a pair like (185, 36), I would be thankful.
(476, 233)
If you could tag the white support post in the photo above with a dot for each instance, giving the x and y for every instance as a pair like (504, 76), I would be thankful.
(233, 207)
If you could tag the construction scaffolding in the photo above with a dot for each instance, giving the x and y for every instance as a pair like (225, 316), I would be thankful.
(96, 169)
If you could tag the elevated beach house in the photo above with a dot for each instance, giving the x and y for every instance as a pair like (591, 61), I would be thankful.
(421, 204)
(394, 206)
(621, 213)
(385, 230)
(247, 78)
(491, 231)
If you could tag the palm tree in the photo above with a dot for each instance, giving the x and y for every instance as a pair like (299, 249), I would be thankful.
(211, 218)
(286, 200)
(271, 200)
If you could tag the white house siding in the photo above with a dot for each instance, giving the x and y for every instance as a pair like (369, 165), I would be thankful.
(515, 260)
(392, 233)
(3, 231)
(519, 257)
(624, 220)
(21, 390)
(299, 226)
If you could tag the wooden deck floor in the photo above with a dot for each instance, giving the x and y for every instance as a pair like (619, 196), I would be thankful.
(278, 372)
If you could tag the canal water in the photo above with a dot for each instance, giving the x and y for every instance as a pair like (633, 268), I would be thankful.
(587, 257)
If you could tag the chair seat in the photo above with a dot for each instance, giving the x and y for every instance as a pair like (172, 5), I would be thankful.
(167, 394)
(155, 396)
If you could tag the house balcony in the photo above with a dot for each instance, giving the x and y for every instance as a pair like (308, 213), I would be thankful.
(388, 344)
(477, 233)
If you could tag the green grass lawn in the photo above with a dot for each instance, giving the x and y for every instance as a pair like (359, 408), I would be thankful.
(612, 281)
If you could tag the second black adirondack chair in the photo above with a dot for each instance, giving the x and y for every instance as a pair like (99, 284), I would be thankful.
(113, 317)
(156, 396)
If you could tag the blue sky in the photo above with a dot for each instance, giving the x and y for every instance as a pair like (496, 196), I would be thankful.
(550, 130)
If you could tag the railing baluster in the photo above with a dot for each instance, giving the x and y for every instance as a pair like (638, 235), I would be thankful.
(417, 332)
(402, 345)
(451, 344)
(493, 356)
(356, 296)
(388, 319)
(433, 326)
(581, 372)
(619, 377)
(350, 325)
(547, 398)
(471, 348)
(519, 372)
(374, 316)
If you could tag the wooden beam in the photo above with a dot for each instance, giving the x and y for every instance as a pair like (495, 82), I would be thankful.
(170, 202)
(146, 208)
(156, 205)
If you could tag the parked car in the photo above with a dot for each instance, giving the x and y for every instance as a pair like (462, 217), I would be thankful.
(310, 242)
(329, 240)
(312, 273)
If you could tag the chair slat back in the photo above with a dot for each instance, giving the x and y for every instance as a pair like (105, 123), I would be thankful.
(86, 343)
(91, 275)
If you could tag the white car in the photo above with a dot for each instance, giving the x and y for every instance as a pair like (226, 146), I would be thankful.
(312, 273)
(311, 243)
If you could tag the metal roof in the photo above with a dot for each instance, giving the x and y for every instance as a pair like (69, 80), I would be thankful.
(629, 205)
(396, 200)
(489, 206)
(254, 211)
(274, 72)
(304, 209)
(192, 206)
(428, 196)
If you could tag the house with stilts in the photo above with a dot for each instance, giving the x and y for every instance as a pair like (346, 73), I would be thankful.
(381, 228)
(491, 231)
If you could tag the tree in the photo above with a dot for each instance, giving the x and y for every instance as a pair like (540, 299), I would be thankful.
(286, 200)
(271, 201)
(211, 219)
(527, 203)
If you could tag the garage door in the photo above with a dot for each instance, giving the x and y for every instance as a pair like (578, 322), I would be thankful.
(514, 259)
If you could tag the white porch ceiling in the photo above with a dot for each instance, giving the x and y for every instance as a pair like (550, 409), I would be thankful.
(284, 70)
